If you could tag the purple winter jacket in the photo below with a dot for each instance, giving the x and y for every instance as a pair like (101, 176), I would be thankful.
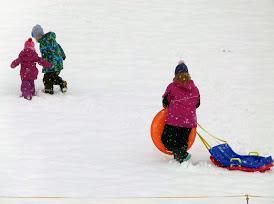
(28, 59)
(183, 100)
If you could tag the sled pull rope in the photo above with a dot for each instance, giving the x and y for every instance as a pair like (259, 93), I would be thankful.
(216, 138)
(204, 141)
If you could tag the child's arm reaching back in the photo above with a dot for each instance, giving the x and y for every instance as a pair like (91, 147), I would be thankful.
(44, 63)
(15, 63)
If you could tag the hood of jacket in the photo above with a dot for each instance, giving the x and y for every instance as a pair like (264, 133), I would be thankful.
(47, 37)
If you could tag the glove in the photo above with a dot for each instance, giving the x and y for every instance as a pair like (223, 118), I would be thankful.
(165, 102)
(198, 104)
(13, 65)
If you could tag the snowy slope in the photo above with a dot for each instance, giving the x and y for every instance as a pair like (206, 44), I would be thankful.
(94, 141)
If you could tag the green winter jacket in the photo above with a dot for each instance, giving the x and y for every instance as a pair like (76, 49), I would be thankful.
(52, 52)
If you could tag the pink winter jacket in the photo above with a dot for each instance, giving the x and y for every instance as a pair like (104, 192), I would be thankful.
(183, 99)
(28, 59)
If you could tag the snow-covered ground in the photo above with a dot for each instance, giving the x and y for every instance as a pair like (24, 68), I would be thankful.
(93, 142)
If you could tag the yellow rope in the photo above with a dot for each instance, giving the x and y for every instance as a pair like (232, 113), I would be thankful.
(216, 138)
(204, 141)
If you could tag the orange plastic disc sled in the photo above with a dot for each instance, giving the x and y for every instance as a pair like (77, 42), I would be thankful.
(157, 128)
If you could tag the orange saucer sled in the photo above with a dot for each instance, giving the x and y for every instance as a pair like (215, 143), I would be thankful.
(157, 128)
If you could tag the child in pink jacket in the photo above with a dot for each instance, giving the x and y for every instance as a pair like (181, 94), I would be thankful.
(181, 98)
(28, 72)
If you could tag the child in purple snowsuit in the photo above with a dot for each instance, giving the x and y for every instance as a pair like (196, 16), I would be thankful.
(28, 72)
(181, 98)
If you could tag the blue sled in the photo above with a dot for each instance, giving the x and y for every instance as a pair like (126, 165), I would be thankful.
(226, 157)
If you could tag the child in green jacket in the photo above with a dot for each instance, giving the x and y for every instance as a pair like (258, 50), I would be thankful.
(52, 52)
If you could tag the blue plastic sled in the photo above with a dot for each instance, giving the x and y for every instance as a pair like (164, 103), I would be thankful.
(222, 155)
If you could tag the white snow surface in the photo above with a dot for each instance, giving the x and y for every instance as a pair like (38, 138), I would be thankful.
(93, 143)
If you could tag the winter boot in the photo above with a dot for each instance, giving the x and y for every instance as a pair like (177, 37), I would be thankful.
(28, 97)
(49, 91)
(187, 157)
(63, 87)
(180, 155)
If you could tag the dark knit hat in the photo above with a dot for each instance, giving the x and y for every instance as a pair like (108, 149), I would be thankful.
(181, 67)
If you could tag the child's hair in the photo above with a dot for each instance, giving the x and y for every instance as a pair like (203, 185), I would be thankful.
(182, 77)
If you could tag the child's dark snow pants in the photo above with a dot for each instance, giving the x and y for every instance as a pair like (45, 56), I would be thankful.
(175, 140)
(52, 78)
